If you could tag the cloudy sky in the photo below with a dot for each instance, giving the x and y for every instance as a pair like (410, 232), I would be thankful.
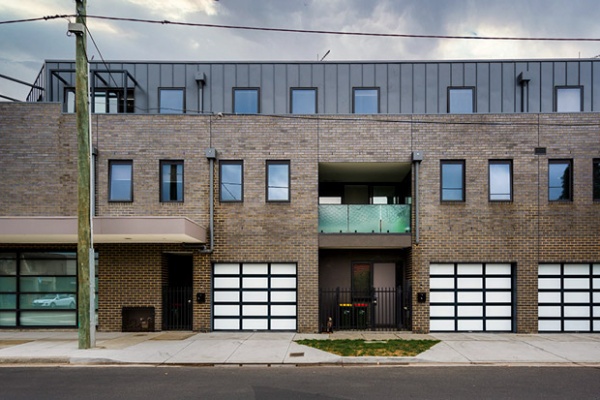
(24, 46)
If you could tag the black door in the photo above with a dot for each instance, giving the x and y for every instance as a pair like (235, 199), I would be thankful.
(177, 293)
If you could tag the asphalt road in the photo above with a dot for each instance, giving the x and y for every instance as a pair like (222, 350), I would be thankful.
(288, 383)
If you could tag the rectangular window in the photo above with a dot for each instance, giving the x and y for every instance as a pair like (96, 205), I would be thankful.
(231, 176)
(560, 180)
(171, 101)
(69, 105)
(171, 181)
(453, 180)
(461, 100)
(278, 181)
(500, 180)
(596, 179)
(366, 101)
(112, 101)
(568, 99)
(120, 180)
(304, 101)
(245, 101)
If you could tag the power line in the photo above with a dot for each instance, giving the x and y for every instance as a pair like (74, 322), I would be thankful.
(48, 17)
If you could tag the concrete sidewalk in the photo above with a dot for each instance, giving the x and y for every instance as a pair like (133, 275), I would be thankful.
(263, 348)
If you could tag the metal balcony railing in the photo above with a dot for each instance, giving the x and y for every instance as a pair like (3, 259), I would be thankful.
(367, 218)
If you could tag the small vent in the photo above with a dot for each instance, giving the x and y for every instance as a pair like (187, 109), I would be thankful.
(540, 151)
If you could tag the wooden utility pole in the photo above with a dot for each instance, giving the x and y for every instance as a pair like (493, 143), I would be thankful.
(85, 253)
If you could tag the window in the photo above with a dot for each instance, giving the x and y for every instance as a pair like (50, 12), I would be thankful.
(596, 179)
(171, 181)
(69, 105)
(304, 101)
(120, 180)
(245, 101)
(453, 180)
(278, 181)
(111, 101)
(461, 100)
(500, 180)
(171, 101)
(568, 99)
(231, 176)
(560, 180)
(366, 101)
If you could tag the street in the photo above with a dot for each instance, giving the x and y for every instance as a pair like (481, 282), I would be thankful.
(132, 382)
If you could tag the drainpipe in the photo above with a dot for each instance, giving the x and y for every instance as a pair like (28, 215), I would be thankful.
(417, 157)
(211, 155)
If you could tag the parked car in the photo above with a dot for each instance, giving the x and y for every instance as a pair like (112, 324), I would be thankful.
(55, 300)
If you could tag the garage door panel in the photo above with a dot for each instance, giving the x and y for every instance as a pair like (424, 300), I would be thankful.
(550, 311)
(577, 269)
(441, 283)
(577, 325)
(255, 324)
(284, 324)
(228, 310)
(469, 269)
(223, 296)
(283, 269)
(549, 283)
(227, 269)
(255, 269)
(255, 283)
(283, 297)
(498, 283)
(470, 297)
(470, 325)
(498, 269)
(227, 324)
(470, 311)
(442, 297)
(255, 310)
(576, 283)
(577, 297)
(283, 311)
(283, 283)
(571, 311)
(499, 297)
(470, 283)
(498, 311)
(442, 325)
(554, 325)
(255, 296)
(549, 297)
(226, 283)
(441, 311)
(498, 325)
(441, 269)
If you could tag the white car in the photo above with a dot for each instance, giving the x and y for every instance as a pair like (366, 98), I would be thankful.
(55, 300)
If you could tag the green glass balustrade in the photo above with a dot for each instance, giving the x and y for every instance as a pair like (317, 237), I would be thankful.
(365, 218)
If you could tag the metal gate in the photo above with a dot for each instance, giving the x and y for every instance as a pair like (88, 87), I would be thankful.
(344, 309)
(177, 308)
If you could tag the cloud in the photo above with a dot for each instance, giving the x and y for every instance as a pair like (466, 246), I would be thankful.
(177, 9)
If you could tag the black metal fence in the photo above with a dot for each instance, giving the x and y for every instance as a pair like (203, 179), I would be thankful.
(177, 308)
(379, 309)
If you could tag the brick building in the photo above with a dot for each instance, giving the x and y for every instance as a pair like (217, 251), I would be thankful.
(428, 196)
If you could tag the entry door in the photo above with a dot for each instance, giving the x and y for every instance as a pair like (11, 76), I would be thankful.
(177, 293)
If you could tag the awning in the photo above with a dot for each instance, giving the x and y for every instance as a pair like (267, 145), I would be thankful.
(106, 230)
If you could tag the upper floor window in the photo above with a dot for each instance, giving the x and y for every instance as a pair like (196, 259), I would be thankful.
(120, 180)
(500, 180)
(231, 176)
(171, 101)
(453, 180)
(560, 180)
(568, 99)
(245, 101)
(366, 101)
(596, 179)
(171, 181)
(461, 100)
(304, 101)
(112, 101)
(278, 181)
(69, 104)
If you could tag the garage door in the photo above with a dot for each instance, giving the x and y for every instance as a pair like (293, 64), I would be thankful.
(254, 296)
(569, 297)
(471, 297)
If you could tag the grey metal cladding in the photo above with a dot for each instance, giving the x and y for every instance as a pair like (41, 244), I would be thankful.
(404, 87)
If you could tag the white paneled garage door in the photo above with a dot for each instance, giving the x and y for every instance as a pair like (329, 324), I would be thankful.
(254, 296)
(471, 297)
(569, 297)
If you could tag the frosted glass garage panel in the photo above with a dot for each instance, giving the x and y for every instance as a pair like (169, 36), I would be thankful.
(227, 269)
(441, 283)
(441, 311)
(222, 296)
(498, 311)
(470, 325)
(280, 297)
(283, 283)
(575, 326)
(470, 311)
(596, 297)
(498, 297)
(577, 297)
(549, 311)
(226, 310)
(255, 297)
(498, 325)
(255, 283)
(596, 326)
(226, 283)
(441, 297)
(283, 269)
(441, 325)
(226, 324)
(596, 283)
(470, 283)
(498, 269)
(498, 283)
(255, 324)
(576, 311)
(287, 324)
(255, 269)
(283, 311)
(596, 311)
(469, 269)
(549, 326)
(470, 297)
(576, 283)
(255, 310)
(549, 297)
(441, 269)
(577, 269)
(549, 269)
(596, 269)
(549, 283)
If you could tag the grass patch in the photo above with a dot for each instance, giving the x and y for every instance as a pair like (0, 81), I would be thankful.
(361, 347)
